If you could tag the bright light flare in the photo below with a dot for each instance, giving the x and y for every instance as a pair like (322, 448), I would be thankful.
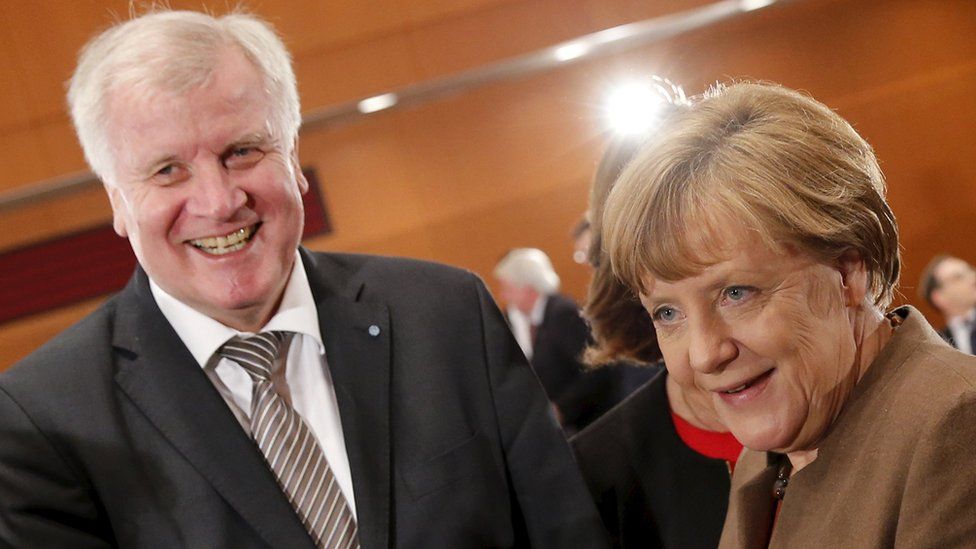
(633, 108)
(571, 51)
(749, 5)
(377, 103)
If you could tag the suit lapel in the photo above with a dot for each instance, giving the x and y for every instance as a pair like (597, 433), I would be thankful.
(163, 380)
(357, 334)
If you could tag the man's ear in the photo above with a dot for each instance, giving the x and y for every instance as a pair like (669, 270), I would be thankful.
(297, 168)
(854, 277)
(118, 209)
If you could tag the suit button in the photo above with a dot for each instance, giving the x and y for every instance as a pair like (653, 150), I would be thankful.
(374, 330)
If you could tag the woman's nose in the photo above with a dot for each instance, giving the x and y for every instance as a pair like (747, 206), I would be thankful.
(710, 346)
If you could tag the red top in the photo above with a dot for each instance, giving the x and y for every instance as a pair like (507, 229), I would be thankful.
(708, 443)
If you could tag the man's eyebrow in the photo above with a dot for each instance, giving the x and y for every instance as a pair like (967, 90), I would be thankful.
(253, 137)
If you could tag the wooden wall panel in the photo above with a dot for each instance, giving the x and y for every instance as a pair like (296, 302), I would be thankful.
(60, 155)
(46, 220)
(22, 154)
(362, 69)
(920, 133)
(15, 112)
(401, 170)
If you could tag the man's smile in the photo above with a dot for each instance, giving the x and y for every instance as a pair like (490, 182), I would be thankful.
(219, 245)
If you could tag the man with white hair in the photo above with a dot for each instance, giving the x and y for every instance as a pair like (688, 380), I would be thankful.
(553, 335)
(242, 391)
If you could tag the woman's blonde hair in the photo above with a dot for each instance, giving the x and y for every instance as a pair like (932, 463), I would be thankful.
(758, 157)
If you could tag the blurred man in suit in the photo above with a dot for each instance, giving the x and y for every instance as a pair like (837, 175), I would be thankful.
(949, 285)
(553, 335)
(242, 391)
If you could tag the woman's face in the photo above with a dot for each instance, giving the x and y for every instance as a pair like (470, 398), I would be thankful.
(768, 334)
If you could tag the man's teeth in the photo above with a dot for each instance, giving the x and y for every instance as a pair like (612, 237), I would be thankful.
(219, 245)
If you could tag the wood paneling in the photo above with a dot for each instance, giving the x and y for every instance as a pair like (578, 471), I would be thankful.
(464, 178)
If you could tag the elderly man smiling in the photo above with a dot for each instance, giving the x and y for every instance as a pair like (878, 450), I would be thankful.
(242, 391)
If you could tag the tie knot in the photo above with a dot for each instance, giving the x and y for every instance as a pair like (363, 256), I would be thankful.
(256, 353)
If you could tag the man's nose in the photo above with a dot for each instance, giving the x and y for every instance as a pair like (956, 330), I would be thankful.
(710, 345)
(215, 195)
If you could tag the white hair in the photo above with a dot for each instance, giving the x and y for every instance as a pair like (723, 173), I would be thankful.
(528, 267)
(174, 51)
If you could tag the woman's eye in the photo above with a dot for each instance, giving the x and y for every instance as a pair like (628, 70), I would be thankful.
(738, 293)
(664, 314)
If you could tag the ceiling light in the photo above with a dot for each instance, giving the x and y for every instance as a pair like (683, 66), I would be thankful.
(633, 108)
(571, 51)
(749, 5)
(377, 103)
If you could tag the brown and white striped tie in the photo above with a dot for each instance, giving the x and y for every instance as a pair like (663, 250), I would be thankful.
(289, 447)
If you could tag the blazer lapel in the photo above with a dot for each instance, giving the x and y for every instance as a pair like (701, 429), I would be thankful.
(356, 334)
(163, 380)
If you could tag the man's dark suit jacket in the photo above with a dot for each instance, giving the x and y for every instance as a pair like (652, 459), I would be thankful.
(652, 490)
(946, 334)
(581, 395)
(111, 434)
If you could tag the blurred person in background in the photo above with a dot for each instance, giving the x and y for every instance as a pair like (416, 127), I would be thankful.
(553, 335)
(948, 284)
(243, 391)
(659, 463)
(756, 232)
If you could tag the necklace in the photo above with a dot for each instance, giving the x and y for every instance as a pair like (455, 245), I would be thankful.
(782, 479)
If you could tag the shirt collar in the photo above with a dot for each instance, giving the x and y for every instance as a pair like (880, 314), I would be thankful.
(203, 335)
(538, 310)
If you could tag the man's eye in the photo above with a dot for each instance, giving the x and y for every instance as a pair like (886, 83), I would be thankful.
(243, 157)
(169, 174)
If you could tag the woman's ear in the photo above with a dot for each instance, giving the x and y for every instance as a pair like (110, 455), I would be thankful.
(854, 277)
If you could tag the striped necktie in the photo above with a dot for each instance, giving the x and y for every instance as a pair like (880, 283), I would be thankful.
(289, 447)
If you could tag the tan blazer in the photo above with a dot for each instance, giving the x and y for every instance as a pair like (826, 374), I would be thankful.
(896, 469)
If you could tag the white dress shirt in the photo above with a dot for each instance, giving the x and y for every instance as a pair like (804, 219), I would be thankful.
(960, 328)
(309, 383)
(521, 324)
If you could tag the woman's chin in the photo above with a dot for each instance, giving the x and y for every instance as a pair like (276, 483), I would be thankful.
(762, 438)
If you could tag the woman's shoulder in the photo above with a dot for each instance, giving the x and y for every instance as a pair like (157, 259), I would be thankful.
(934, 373)
(920, 371)
(646, 402)
(907, 393)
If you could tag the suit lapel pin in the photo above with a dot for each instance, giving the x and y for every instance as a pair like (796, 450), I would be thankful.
(374, 330)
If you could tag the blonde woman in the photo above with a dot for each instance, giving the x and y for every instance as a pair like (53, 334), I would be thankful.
(757, 234)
